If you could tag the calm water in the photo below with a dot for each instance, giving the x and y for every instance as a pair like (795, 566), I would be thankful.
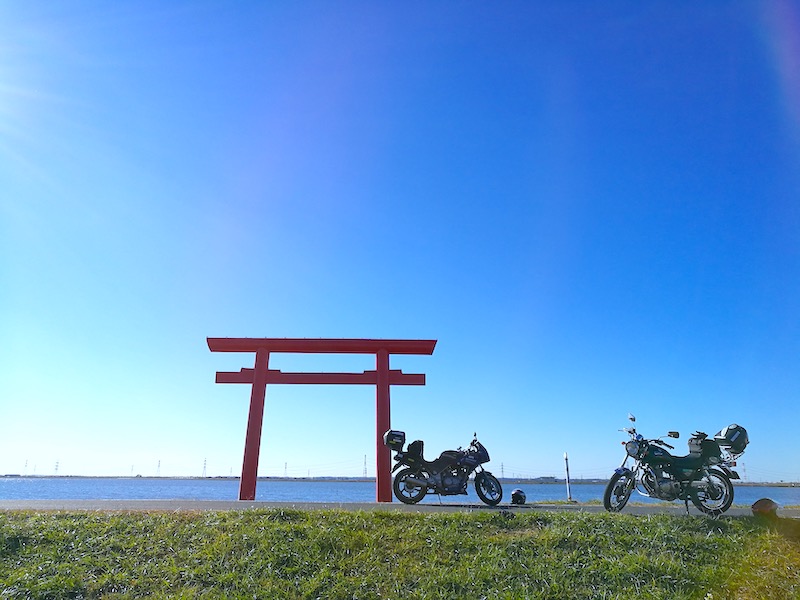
(66, 488)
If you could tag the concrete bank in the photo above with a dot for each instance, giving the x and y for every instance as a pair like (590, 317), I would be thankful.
(427, 507)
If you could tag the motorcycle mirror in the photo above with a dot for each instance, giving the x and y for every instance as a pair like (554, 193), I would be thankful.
(631, 418)
(674, 434)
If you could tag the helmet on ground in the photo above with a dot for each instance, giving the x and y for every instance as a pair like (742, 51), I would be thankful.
(517, 496)
(765, 507)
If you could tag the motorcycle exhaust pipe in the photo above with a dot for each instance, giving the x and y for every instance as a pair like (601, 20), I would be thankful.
(415, 481)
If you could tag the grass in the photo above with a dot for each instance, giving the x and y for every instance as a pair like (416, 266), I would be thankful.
(336, 554)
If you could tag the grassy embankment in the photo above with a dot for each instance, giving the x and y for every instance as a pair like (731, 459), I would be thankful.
(334, 554)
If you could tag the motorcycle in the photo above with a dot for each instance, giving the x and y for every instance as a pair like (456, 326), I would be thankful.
(448, 475)
(703, 476)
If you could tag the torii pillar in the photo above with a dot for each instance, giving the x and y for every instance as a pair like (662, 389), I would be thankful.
(261, 375)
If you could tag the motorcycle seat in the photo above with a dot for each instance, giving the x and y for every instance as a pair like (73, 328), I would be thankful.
(417, 448)
(448, 457)
(690, 461)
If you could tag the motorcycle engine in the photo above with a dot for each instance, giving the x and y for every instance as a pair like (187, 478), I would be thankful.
(658, 485)
(452, 481)
(668, 489)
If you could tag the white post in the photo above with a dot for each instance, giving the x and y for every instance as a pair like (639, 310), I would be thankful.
(566, 463)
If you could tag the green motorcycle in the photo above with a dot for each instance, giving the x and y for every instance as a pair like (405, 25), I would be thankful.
(702, 477)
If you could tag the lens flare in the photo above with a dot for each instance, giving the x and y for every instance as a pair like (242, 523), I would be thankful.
(782, 29)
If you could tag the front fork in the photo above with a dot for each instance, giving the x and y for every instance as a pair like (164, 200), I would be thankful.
(631, 473)
(623, 468)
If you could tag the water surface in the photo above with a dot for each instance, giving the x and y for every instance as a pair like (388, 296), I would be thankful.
(279, 490)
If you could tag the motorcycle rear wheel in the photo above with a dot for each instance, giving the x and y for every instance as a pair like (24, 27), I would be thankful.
(488, 488)
(717, 500)
(407, 492)
(618, 491)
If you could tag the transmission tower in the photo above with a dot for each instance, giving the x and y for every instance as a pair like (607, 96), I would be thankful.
(365, 467)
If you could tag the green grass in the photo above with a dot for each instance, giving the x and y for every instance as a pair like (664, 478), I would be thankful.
(337, 554)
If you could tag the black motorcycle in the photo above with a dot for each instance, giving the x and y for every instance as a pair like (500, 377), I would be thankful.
(447, 475)
(703, 476)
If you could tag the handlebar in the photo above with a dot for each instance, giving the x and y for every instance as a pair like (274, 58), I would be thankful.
(632, 432)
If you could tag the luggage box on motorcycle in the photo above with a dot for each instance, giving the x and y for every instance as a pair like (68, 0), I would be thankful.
(394, 439)
(733, 437)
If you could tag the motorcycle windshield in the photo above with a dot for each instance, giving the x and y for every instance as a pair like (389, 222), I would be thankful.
(480, 453)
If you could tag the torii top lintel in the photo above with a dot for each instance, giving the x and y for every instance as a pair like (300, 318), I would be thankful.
(322, 346)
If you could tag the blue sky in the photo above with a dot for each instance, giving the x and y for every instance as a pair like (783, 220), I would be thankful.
(593, 208)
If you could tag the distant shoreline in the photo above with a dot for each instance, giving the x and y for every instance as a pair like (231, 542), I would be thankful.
(333, 479)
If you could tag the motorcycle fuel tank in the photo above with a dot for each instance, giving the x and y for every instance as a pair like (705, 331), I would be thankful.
(657, 456)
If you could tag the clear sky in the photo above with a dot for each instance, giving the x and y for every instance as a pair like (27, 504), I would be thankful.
(594, 208)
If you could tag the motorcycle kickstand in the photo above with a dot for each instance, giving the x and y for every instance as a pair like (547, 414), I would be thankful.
(686, 501)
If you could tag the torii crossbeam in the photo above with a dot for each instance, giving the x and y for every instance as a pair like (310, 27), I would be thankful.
(261, 375)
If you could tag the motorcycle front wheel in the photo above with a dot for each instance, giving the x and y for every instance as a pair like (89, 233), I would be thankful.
(407, 491)
(488, 488)
(717, 497)
(618, 491)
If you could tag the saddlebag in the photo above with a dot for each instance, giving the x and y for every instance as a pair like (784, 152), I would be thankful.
(700, 445)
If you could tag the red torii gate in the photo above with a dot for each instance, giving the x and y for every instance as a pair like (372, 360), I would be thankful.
(261, 375)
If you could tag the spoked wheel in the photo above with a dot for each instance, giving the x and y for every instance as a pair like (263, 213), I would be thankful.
(407, 491)
(618, 491)
(488, 488)
(718, 495)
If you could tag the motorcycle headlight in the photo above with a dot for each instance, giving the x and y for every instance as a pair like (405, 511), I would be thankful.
(632, 448)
